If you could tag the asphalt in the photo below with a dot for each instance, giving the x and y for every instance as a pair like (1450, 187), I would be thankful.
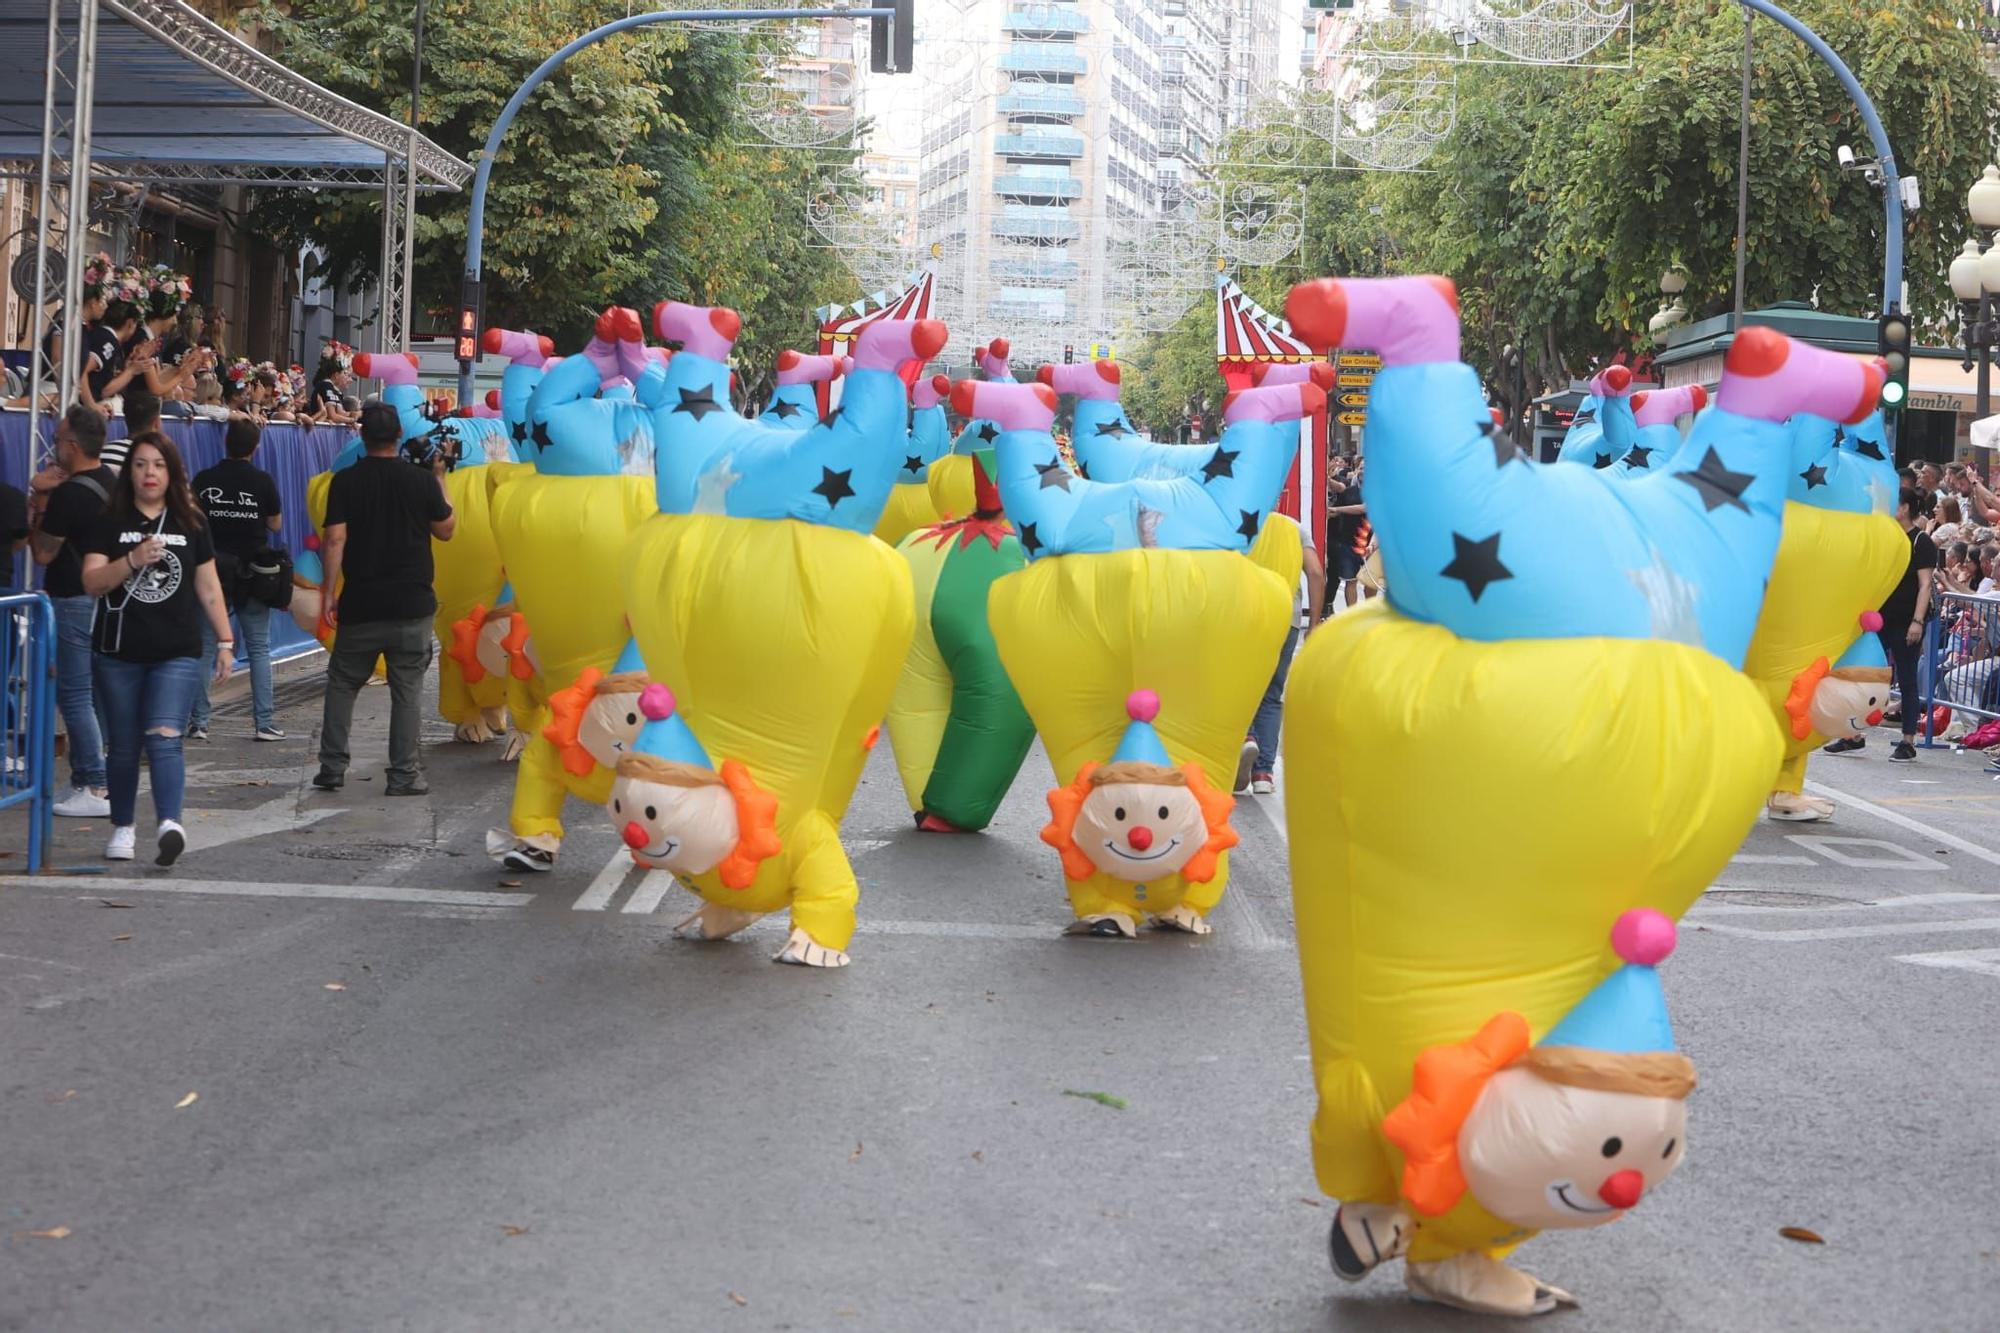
(430, 1097)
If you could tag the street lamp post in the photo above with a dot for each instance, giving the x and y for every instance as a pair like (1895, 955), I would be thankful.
(1975, 280)
(1673, 306)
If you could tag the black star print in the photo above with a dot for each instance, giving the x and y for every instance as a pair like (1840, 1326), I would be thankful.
(1813, 476)
(1029, 541)
(1476, 563)
(1248, 527)
(1053, 473)
(1110, 428)
(1869, 449)
(1717, 485)
(1602, 460)
(698, 405)
(913, 463)
(1083, 469)
(1221, 463)
(541, 433)
(833, 416)
(1583, 418)
(1637, 458)
(987, 433)
(783, 410)
(833, 485)
(520, 429)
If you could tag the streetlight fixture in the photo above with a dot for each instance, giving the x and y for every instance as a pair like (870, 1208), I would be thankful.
(1673, 307)
(1975, 281)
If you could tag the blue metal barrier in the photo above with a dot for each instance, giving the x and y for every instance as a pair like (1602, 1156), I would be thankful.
(1961, 658)
(28, 715)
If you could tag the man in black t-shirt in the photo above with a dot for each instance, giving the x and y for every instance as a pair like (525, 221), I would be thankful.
(381, 514)
(244, 513)
(1904, 614)
(73, 506)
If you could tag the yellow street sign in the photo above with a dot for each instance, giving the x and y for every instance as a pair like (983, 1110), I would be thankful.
(1353, 418)
(1357, 399)
(1360, 361)
(1359, 379)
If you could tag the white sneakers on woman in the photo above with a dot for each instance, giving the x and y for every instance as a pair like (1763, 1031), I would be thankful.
(123, 844)
(173, 841)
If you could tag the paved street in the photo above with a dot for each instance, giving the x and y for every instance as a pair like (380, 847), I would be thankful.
(428, 1096)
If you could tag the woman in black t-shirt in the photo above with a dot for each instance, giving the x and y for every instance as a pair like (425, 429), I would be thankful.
(150, 562)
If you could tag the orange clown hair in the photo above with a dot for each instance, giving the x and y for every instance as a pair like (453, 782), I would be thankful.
(465, 644)
(756, 827)
(1800, 697)
(1447, 1084)
(516, 644)
(567, 707)
(1066, 804)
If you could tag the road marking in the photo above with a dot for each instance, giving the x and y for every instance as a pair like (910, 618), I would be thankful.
(259, 889)
(1985, 961)
(1951, 840)
(1746, 859)
(1705, 908)
(607, 883)
(280, 814)
(651, 890)
(1858, 932)
(1835, 850)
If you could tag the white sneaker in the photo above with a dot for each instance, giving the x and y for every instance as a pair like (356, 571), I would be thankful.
(270, 734)
(123, 844)
(84, 803)
(173, 841)
(1263, 785)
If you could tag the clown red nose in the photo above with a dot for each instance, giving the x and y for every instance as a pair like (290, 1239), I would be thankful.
(1141, 838)
(635, 836)
(1622, 1189)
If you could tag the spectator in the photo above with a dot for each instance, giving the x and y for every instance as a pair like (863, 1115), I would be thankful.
(1349, 535)
(381, 515)
(1258, 766)
(1981, 506)
(1902, 632)
(142, 414)
(208, 398)
(1957, 572)
(215, 336)
(13, 536)
(1950, 516)
(244, 512)
(74, 502)
(176, 360)
(149, 562)
(110, 368)
(98, 280)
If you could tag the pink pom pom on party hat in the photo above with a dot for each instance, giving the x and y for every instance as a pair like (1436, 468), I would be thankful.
(1643, 936)
(1142, 705)
(656, 701)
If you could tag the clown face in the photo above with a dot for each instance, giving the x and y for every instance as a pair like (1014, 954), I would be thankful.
(687, 830)
(491, 647)
(305, 607)
(1548, 1155)
(1846, 708)
(1140, 831)
(609, 726)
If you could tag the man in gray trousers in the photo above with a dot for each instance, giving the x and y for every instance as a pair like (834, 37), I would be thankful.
(381, 514)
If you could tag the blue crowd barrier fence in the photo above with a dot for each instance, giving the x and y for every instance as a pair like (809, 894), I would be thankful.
(28, 715)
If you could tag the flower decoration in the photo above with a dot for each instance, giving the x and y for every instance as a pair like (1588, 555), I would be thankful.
(339, 353)
(97, 275)
(166, 291)
(239, 372)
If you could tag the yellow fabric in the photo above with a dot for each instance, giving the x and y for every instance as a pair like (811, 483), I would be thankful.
(563, 541)
(1280, 548)
(909, 508)
(1830, 568)
(1078, 633)
(468, 573)
(1459, 851)
(782, 642)
(952, 492)
(920, 709)
(317, 487)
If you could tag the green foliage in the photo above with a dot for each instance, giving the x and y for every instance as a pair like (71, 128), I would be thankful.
(619, 182)
(1560, 196)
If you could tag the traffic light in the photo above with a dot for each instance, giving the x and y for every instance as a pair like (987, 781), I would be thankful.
(466, 339)
(892, 42)
(1069, 354)
(1892, 340)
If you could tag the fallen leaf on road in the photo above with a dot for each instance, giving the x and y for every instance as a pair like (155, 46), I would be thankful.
(1802, 1234)
(855, 1156)
(187, 1101)
(848, 1314)
(108, 903)
(52, 1233)
(334, 985)
(1101, 1098)
(117, 939)
(67, 1094)
(510, 883)
(1311, 1203)
(253, 784)
(738, 1299)
(978, 1156)
(513, 1231)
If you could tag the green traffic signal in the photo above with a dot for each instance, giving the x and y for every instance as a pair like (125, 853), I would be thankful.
(1892, 341)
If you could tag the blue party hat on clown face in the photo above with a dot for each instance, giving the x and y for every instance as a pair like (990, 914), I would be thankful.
(666, 735)
(1627, 1013)
(1141, 744)
(1865, 653)
(629, 660)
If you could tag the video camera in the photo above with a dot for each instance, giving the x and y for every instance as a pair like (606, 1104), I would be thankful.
(437, 442)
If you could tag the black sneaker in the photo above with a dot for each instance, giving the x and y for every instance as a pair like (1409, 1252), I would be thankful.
(328, 780)
(417, 788)
(528, 858)
(1846, 746)
(197, 732)
(1904, 753)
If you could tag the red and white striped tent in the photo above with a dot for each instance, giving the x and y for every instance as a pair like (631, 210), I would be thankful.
(837, 332)
(1247, 335)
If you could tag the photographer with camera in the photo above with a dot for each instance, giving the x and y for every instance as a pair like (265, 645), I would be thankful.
(381, 515)
(244, 513)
